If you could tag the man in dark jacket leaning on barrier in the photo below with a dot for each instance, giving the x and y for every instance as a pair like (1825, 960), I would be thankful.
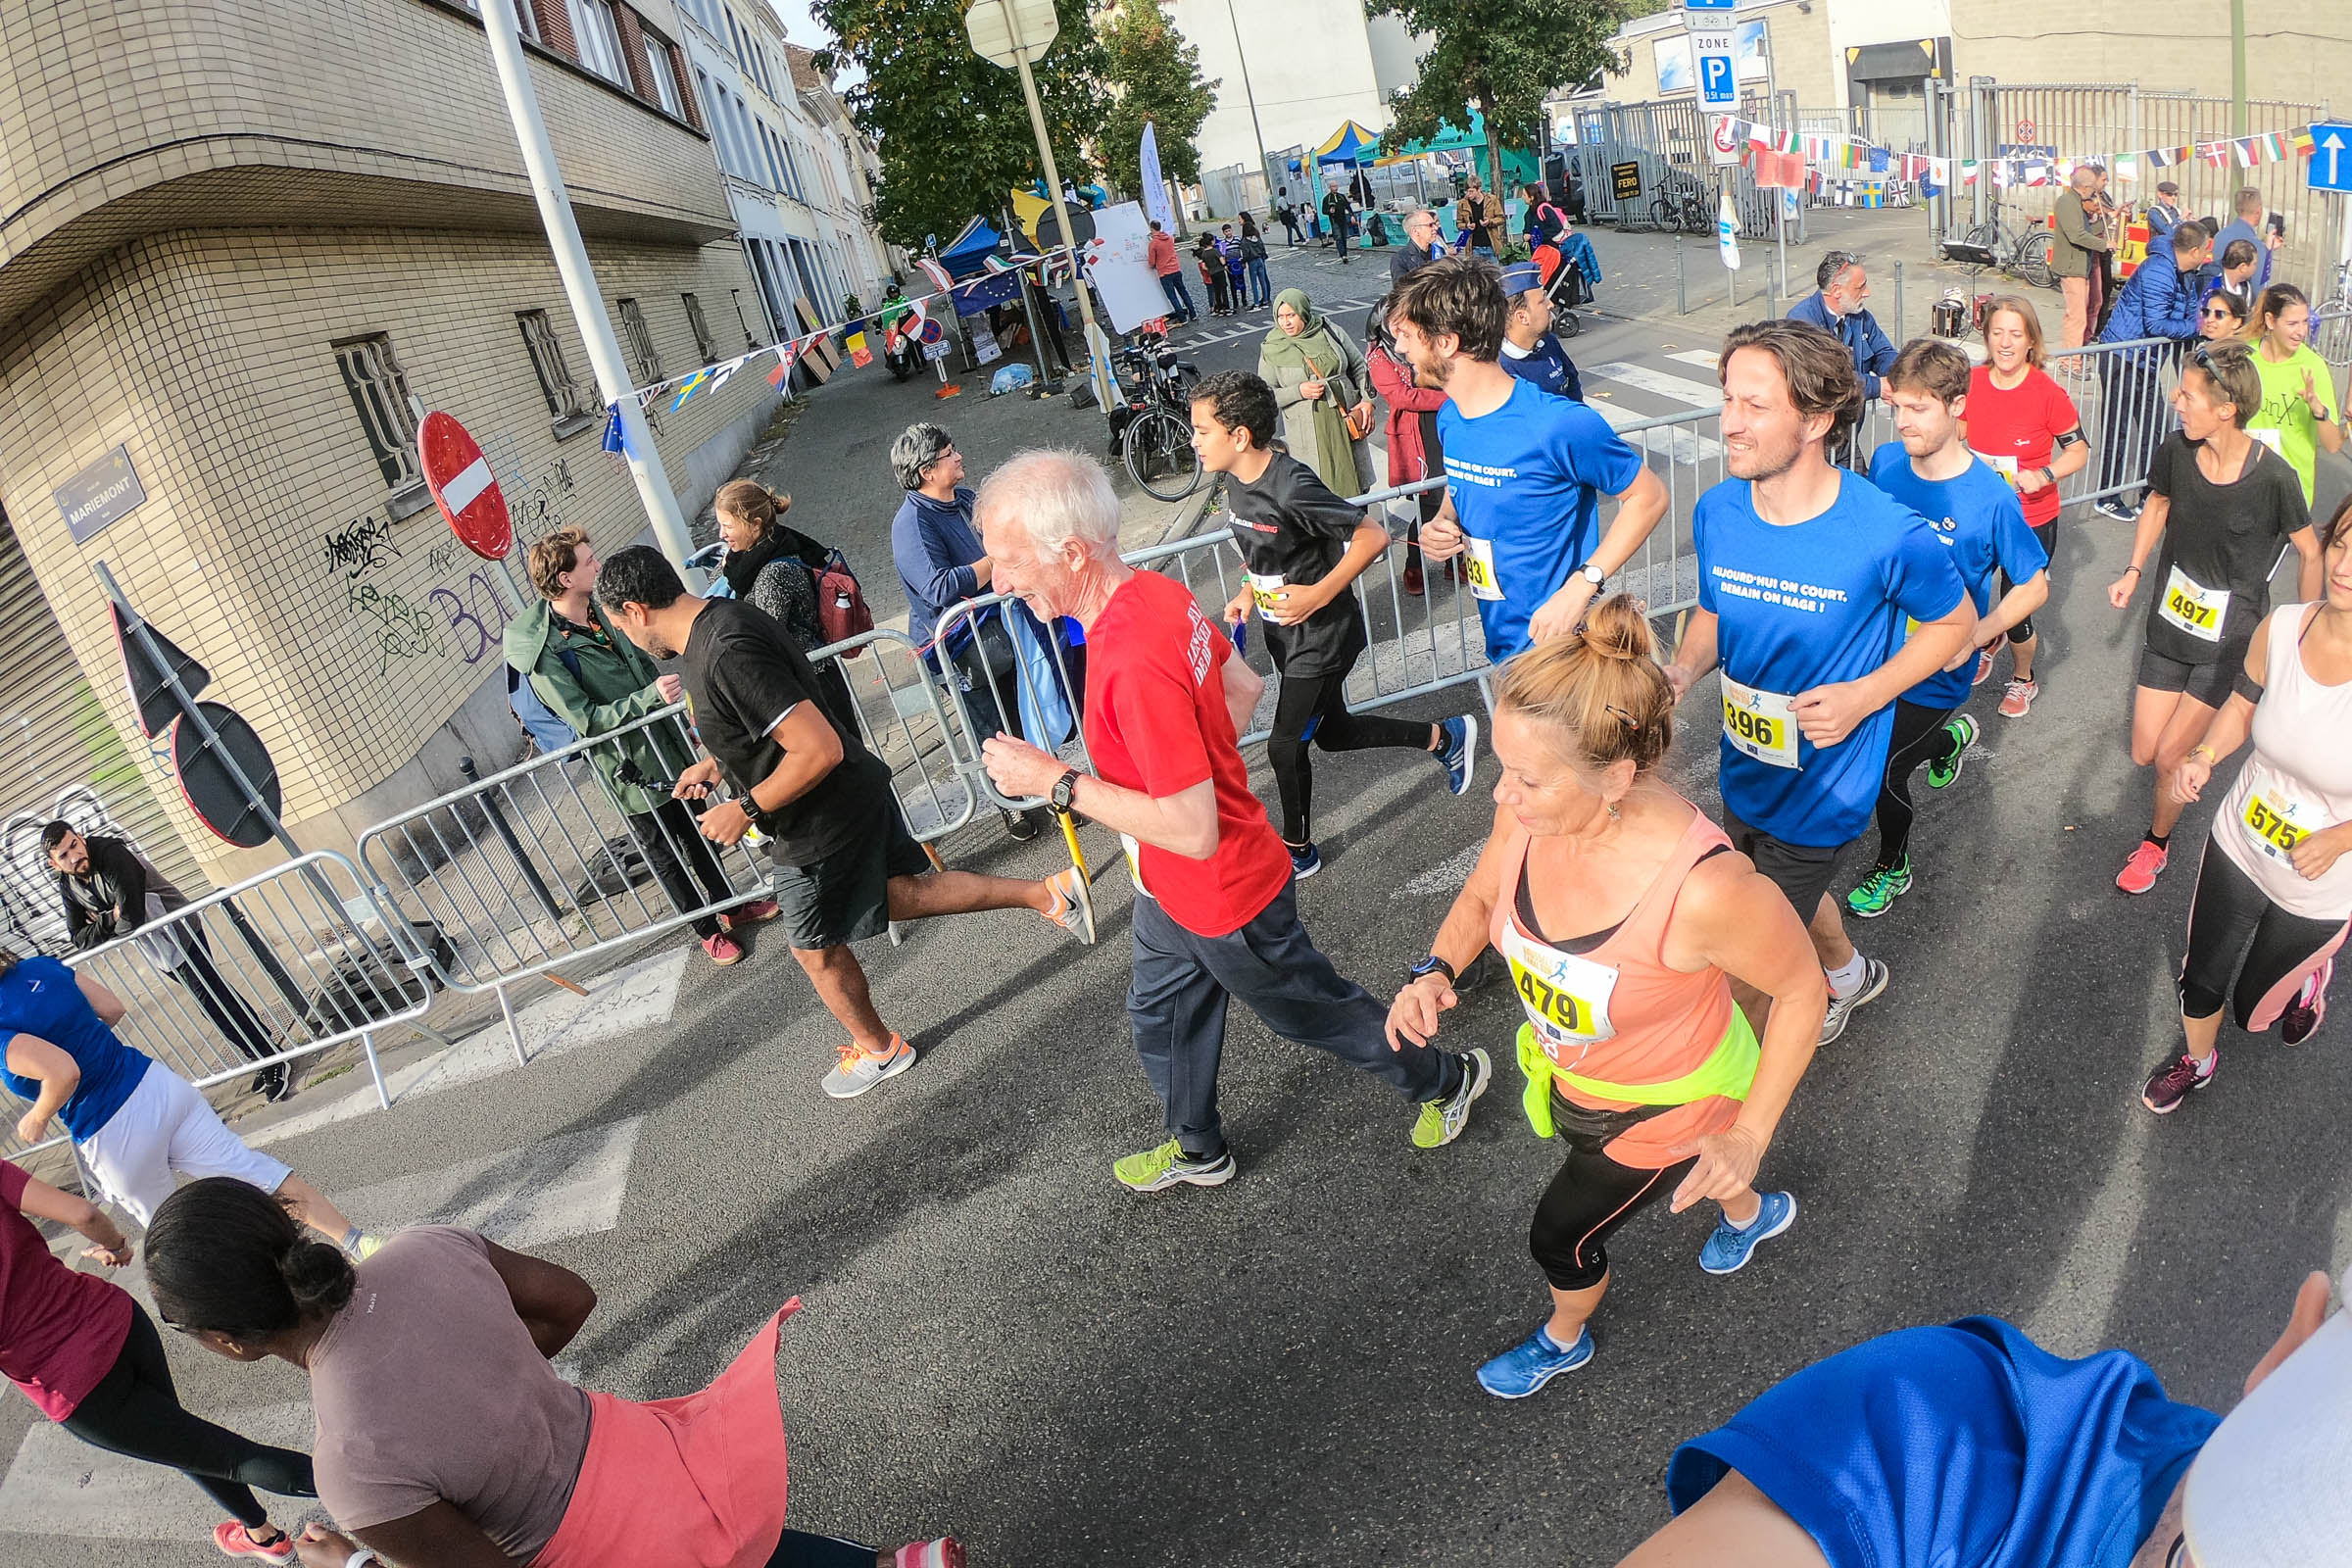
(595, 680)
(2158, 301)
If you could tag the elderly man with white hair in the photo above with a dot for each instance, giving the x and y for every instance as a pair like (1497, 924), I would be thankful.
(1216, 916)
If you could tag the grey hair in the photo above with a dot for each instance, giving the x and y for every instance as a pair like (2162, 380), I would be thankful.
(1059, 494)
(917, 447)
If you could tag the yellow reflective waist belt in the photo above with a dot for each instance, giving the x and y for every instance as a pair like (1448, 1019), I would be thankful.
(1727, 1072)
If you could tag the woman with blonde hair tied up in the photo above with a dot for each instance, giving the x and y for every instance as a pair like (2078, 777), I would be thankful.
(1623, 914)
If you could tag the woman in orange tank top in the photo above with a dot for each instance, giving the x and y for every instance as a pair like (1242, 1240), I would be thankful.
(1621, 914)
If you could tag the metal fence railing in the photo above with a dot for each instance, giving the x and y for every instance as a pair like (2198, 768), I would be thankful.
(276, 968)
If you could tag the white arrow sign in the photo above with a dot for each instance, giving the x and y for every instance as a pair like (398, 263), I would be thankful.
(2335, 151)
(2330, 169)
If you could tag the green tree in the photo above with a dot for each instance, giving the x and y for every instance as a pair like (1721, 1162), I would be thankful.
(1500, 56)
(1156, 78)
(952, 128)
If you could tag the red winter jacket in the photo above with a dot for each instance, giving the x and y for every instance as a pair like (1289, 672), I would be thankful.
(1393, 379)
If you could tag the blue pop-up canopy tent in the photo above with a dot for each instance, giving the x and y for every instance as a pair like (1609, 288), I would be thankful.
(1351, 143)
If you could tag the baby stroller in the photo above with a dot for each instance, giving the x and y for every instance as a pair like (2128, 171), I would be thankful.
(1571, 271)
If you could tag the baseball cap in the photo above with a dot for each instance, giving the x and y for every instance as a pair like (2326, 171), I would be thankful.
(1520, 277)
(2268, 1488)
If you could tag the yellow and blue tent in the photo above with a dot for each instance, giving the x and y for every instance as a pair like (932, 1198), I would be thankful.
(1351, 143)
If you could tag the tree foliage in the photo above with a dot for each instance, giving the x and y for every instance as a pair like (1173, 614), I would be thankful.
(952, 128)
(1157, 77)
(1501, 57)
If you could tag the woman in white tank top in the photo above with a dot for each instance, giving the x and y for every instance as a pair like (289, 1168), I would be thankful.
(2279, 890)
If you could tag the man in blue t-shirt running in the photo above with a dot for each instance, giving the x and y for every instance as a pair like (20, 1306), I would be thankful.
(1976, 513)
(1806, 574)
(1524, 469)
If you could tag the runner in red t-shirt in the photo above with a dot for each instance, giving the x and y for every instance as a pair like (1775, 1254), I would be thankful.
(1165, 699)
(82, 1351)
(2021, 423)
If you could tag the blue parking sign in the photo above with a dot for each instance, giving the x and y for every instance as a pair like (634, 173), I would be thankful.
(1715, 87)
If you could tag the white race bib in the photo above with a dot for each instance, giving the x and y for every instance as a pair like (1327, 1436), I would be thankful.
(1265, 587)
(1135, 862)
(1763, 724)
(2195, 609)
(1566, 998)
(2276, 820)
(1485, 581)
(2004, 464)
(2273, 439)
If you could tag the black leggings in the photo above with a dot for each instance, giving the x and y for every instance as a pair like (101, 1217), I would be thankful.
(1314, 707)
(801, 1550)
(134, 1411)
(2047, 533)
(2228, 914)
(1585, 1202)
(673, 845)
(1919, 737)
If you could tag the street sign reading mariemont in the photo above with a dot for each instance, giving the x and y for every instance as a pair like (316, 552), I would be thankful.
(1008, 32)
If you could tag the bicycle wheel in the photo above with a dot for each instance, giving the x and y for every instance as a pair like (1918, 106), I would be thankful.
(1161, 457)
(1663, 214)
(2034, 261)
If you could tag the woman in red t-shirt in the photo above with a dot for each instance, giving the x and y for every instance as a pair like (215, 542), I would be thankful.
(82, 1351)
(2022, 424)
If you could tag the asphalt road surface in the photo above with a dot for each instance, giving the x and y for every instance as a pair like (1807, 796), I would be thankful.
(1002, 1343)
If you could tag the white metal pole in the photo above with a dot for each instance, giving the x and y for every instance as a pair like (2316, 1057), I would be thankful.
(613, 377)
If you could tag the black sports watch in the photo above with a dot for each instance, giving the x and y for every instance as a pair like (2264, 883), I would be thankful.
(1065, 788)
(1433, 964)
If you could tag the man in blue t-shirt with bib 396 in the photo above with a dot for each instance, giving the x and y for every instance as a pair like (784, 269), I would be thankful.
(1807, 576)
(1524, 469)
(1976, 514)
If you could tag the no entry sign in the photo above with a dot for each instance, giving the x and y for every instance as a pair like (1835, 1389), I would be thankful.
(459, 480)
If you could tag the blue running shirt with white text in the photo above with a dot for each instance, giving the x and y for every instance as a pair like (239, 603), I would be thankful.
(1981, 517)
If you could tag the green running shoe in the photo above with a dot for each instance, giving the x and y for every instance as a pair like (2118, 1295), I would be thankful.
(1877, 896)
(1441, 1121)
(1964, 730)
(1169, 1165)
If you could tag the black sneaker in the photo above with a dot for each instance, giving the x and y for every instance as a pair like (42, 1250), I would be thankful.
(2174, 1081)
(1022, 826)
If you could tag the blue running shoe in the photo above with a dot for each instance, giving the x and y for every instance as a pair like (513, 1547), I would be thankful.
(1728, 1250)
(1306, 863)
(1457, 751)
(1533, 1361)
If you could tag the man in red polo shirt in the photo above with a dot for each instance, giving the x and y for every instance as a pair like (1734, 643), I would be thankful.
(1216, 918)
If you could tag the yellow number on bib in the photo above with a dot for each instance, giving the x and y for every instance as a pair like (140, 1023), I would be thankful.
(1550, 1002)
(2189, 610)
(1762, 728)
(2271, 827)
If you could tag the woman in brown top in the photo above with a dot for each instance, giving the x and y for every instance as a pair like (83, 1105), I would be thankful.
(446, 1440)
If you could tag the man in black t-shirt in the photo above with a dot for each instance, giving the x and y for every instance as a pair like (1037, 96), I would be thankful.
(1302, 549)
(845, 866)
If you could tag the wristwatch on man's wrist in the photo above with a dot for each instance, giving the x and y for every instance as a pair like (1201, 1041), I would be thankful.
(1433, 964)
(1065, 788)
(1592, 573)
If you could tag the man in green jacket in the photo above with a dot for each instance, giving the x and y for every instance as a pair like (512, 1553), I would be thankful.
(597, 681)
(2074, 247)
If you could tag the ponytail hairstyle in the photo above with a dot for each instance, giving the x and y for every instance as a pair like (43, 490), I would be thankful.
(754, 503)
(2269, 304)
(225, 1257)
(1599, 694)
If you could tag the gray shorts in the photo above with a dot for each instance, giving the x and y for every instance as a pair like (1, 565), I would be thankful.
(845, 897)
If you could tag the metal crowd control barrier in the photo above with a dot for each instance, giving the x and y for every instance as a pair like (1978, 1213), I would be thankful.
(278, 967)
(537, 867)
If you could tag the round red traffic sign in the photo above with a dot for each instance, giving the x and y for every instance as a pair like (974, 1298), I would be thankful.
(213, 791)
(2025, 130)
(459, 480)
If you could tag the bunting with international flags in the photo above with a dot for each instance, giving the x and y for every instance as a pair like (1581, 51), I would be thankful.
(1840, 154)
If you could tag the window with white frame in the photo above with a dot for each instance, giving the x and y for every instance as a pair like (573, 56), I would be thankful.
(524, 22)
(598, 35)
(661, 58)
(380, 396)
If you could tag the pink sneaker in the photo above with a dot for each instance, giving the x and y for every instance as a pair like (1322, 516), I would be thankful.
(945, 1553)
(1983, 666)
(2019, 698)
(756, 913)
(2302, 1017)
(724, 949)
(2140, 872)
(233, 1539)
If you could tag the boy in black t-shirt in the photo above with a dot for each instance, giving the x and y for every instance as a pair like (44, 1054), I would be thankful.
(1301, 548)
(845, 866)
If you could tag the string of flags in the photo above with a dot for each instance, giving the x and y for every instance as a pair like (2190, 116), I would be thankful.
(1831, 155)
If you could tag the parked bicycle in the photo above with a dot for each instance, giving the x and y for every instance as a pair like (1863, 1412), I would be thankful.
(1155, 435)
(2023, 255)
(1683, 202)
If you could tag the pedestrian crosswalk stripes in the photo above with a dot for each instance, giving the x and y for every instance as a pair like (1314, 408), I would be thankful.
(1692, 393)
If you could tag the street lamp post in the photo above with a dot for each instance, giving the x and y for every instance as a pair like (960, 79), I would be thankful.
(1257, 132)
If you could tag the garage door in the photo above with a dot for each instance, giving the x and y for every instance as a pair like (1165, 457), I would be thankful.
(63, 757)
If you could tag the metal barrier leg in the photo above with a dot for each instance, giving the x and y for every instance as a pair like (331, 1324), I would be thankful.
(505, 1009)
(376, 1070)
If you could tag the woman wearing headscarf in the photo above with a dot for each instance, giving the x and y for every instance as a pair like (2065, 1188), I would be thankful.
(1321, 383)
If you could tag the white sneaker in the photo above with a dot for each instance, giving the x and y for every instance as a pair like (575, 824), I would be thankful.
(1874, 981)
(856, 1072)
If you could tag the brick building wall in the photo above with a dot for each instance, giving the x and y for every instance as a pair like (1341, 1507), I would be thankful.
(266, 548)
